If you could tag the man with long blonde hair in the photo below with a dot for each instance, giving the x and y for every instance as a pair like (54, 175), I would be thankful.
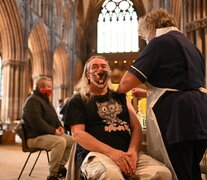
(107, 131)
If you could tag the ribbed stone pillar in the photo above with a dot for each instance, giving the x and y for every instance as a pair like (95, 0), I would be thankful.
(14, 89)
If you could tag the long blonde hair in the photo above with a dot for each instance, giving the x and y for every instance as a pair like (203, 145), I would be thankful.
(83, 85)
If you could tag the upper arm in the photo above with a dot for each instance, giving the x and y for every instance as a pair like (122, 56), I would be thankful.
(134, 122)
(75, 112)
(128, 82)
(143, 68)
(33, 112)
(76, 129)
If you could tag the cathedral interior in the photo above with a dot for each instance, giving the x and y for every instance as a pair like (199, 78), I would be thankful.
(55, 38)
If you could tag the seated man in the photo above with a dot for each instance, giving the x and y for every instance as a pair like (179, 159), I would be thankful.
(106, 128)
(44, 130)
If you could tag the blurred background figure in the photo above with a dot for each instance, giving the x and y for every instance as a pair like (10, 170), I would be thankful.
(59, 107)
(62, 113)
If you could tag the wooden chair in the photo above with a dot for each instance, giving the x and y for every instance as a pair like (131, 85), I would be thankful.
(25, 148)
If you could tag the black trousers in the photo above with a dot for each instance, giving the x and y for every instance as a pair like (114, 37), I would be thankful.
(185, 158)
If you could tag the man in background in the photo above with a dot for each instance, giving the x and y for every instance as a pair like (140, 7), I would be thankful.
(44, 130)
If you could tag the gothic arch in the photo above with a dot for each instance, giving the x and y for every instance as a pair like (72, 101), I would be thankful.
(94, 8)
(11, 30)
(61, 65)
(60, 73)
(38, 45)
(12, 60)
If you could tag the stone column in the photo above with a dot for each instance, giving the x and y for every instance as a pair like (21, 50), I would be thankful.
(14, 90)
(59, 92)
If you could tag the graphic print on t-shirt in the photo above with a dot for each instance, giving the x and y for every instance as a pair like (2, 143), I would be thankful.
(108, 111)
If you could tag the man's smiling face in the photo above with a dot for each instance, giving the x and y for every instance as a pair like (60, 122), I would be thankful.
(98, 72)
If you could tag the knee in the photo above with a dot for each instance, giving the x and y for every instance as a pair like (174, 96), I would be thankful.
(113, 174)
(101, 171)
(162, 174)
(61, 142)
(105, 174)
(69, 141)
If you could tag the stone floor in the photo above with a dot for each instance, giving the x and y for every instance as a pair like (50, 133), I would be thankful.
(12, 160)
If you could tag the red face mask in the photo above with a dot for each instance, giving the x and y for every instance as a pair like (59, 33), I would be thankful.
(46, 91)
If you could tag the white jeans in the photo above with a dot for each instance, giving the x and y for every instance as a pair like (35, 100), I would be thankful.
(60, 147)
(99, 166)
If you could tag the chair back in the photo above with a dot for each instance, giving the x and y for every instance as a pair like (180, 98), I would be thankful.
(22, 133)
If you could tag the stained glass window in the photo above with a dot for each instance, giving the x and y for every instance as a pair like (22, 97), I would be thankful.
(117, 27)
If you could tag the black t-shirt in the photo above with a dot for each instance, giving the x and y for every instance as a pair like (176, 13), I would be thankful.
(105, 117)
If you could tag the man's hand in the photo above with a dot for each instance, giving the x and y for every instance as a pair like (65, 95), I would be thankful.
(139, 93)
(126, 161)
(133, 158)
(59, 131)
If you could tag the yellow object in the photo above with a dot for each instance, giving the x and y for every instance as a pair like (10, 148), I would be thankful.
(115, 86)
(141, 103)
(128, 94)
(142, 106)
(142, 112)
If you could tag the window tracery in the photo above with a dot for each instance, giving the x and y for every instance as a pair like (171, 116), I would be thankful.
(117, 27)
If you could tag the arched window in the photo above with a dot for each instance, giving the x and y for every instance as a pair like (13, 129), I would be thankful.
(117, 27)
